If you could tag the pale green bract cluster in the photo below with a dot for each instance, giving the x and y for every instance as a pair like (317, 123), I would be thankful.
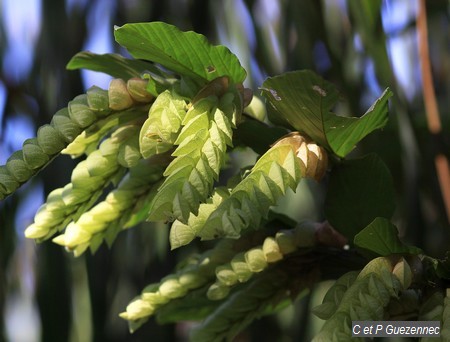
(241, 308)
(107, 218)
(200, 154)
(65, 204)
(246, 264)
(177, 285)
(279, 169)
(218, 270)
(112, 146)
(76, 130)
(160, 131)
(362, 297)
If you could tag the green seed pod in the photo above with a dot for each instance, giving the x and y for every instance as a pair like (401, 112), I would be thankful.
(17, 167)
(256, 260)
(9, 183)
(241, 268)
(217, 291)
(50, 140)
(286, 241)
(137, 88)
(226, 275)
(33, 154)
(119, 98)
(97, 99)
(80, 112)
(271, 250)
(68, 129)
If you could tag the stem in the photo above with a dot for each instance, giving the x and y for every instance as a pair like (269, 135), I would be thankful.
(431, 107)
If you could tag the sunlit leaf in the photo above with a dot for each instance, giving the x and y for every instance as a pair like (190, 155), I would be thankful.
(305, 101)
(186, 53)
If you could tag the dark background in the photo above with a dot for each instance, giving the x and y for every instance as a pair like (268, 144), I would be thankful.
(361, 46)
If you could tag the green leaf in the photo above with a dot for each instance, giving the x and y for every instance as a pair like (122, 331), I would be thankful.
(186, 53)
(111, 64)
(359, 190)
(381, 237)
(305, 100)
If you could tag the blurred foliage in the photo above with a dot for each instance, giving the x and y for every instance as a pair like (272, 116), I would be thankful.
(347, 42)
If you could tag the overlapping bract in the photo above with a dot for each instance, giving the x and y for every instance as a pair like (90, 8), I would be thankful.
(245, 264)
(107, 218)
(200, 154)
(238, 311)
(88, 179)
(195, 275)
(279, 169)
(74, 130)
(160, 130)
(363, 298)
(84, 123)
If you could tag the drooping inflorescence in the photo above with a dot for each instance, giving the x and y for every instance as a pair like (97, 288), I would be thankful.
(280, 168)
(200, 154)
(75, 130)
(255, 260)
(107, 218)
(177, 285)
(102, 124)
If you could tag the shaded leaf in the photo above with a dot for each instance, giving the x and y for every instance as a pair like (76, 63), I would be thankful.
(359, 190)
(111, 64)
(381, 237)
(258, 135)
